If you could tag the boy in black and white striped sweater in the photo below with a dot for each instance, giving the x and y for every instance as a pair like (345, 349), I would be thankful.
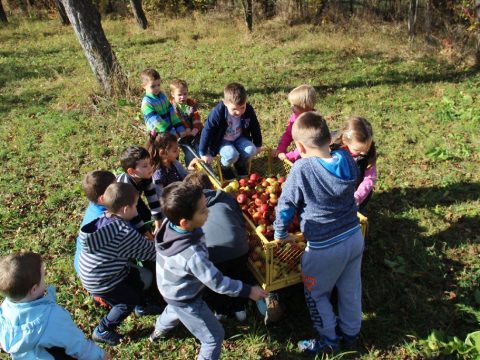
(108, 245)
(137, 164)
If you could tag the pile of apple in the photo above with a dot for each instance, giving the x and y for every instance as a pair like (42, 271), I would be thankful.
(258, 197)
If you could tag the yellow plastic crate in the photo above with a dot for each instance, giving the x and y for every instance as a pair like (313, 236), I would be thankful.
(274, 264)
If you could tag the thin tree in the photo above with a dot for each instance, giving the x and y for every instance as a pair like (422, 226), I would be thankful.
(477, 40)
(139, 13)
(3, 15)
(61, 13)
(412, 18)
(248, 11)
(85, 21)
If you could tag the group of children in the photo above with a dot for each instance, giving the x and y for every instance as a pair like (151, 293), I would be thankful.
(198, 238)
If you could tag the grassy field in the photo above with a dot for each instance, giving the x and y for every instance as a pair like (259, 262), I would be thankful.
(421, 265)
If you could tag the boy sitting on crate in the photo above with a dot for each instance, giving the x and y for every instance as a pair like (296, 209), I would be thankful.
(231, 130)
(320, 188)
(227, 243)
(183, 270)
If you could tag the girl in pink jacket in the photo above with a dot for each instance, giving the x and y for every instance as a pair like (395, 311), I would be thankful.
(357, 137)
(301, 99)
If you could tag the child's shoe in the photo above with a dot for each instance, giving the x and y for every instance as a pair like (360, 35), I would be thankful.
(155, 335)
(322, 345)
(241, 315)
(150, 309)
(220, 317)
(111, 337)
(227, 173)
(349, 342)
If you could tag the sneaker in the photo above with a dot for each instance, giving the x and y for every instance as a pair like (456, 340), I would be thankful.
(241, 315)
(241, 169)
(150, 309)
(220, 317)
(111, 338)
(349, 342)
(155, 335)
(325, 345)
(227, 173)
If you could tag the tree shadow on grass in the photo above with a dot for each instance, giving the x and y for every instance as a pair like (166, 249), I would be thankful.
(410, 277)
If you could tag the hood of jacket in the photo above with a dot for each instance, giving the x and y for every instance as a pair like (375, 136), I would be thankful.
(170, 241)
(22, 325)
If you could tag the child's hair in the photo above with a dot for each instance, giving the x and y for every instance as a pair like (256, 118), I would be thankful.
(157, 142)
(119, 195)
(234, 93)
(179, 201)
(95, 183)
(19, 272)
(358, 129)
(149, 74)
(198, 179)
(303, 96)
(131, 156)
(178, 84)
(311, 129)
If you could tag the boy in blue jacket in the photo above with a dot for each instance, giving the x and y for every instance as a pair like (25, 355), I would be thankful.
(321, 187)
(231, 130)
(94, 185)
(32, 325)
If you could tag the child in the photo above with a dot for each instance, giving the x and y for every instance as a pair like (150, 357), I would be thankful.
(94, 185)
(227, 243)
(163, 149)
(301, 99)
(229, 131)
(137, 164)
(320, 188)
(157, 111)
(108, 244)
(187, 111)
(357, 138)
(32, 325)
(183, 270)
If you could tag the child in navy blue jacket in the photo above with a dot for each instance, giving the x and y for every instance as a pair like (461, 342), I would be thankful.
(231, 130)
(320, 188)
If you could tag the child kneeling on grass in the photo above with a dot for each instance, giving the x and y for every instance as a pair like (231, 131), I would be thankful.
(108, 245)
(32, 325)
(320, 188)
(183, 270)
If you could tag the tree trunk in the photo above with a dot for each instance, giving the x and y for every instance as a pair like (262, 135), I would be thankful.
(412, 18)
(477, 40)
(138, 13)
(3, 15)
(62, 13)
(248, 10)
(320, 9)
(85, 21)
(428, 19)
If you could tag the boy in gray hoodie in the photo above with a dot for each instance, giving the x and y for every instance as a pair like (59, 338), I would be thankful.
(183, 270)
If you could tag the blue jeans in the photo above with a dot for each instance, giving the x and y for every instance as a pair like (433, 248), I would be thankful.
(336, 266)
(200, 321)
(241, 149)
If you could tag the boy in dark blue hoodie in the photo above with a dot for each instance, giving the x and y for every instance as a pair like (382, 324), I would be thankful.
(183, 270)
(231, 130)
(320, 187)
(32, 325)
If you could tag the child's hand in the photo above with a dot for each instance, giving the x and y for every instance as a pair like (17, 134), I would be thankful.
(182, 134)
(275, 152)
(188, 132)
(207, 158)
(282, 156)
(158, 225)
(288, 239)
(149, 236)
(194, 132)
(191, 166)
(259, 149)
(257, 293)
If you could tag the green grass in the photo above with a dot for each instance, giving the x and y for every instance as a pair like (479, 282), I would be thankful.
(421, 265)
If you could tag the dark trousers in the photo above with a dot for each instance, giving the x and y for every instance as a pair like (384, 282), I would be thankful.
(223, 304)
(122, 298)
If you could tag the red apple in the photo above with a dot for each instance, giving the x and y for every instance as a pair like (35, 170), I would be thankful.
(264, 207)
(241, 198)
(258, 202)
(273, 201)
(243, 182)
(254, 177)
(281, 180)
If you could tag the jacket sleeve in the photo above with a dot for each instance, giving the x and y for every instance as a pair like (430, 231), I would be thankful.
(366, 185)
(134, 246)
(293, 155)
(205, 271)
(286, 138)
(62, 332)
(289, 201)
(153, 201)
(153, 120)
(255, 130)
(208, 133)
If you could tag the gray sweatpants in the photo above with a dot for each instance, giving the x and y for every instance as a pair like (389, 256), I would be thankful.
(322, 269)
(200, 321)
